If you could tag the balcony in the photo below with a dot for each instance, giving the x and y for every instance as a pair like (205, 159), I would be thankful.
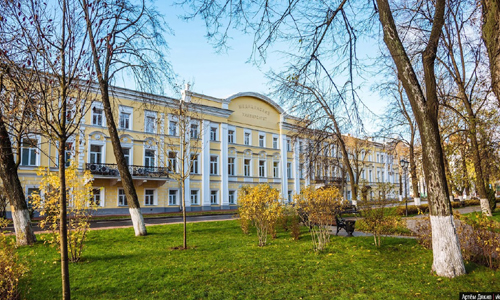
(327, 180)
(141, 174)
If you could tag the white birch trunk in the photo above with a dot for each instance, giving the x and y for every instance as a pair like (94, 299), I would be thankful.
(485, 207)
(447, 256)
(21, 220)
(417, 201)
(138, 221)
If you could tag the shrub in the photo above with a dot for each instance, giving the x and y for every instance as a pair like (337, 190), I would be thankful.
(473, 202)
(317, 210)
(412, 209)
(11, 268)
(378, 220)
(260, 205)
(290, 221)
(479, 238)
(80, 207)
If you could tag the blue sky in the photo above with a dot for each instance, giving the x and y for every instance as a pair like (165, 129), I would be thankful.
(222, 74)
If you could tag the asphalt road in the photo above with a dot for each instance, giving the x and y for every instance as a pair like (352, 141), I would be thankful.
(103, 224)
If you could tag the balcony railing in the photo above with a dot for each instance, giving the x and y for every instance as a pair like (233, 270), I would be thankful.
(111, 170)
(327, 180)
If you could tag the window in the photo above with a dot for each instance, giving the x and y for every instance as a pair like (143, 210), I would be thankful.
(262, 168)
(288, 145)
(150, 124)
(194, 197)
(172, 197)
(275, 142)
(213, 133)
(262, 140)
(97, 116)
(301, 171)
(247, 138)
(194, 163)
(124, 120)
(301, 149)
(246, 167)
(214, 195)
(149, 158)
(122, 199)
(230, 166)
(232, 197)
(28, 152)
(370, 175)
(290, 196)
(172, 128)
(68, 153)
(95, 154)
(96, 197)
(172, 162)
(194, 131)
(276, 169)
(149, 197)
(230, 136)
(213, 164)
(289, 170)
(126, 153)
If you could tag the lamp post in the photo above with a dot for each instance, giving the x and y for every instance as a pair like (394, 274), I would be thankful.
(404, 165)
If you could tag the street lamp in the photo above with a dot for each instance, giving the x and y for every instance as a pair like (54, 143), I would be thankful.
(404, 165)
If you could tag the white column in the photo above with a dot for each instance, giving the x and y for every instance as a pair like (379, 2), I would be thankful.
(205, 165)
(224, 176)
(296, 166)
(284, 176)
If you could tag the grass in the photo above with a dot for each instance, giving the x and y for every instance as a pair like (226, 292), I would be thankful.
(225, 264)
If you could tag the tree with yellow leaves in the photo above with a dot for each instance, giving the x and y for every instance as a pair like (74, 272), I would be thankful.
(80, 207)
(317, 209)
(261, 206)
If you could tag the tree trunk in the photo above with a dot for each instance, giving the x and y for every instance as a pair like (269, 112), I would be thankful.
(14, 191)
(491, 37)
(63, 229)
(127, 181)
(413, 171)
(447, 256)
(184, 221)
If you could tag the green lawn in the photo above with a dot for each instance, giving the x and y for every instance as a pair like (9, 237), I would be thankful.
(225, 264)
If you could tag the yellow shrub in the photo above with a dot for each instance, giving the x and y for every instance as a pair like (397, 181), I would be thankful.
(79, 207)
(261, 206)
(11, 270)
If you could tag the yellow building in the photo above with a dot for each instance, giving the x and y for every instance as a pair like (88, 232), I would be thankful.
(244, 139)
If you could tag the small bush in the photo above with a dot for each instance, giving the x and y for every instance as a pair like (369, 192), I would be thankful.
(378, 220)
(479, 238)
(290, 221)
(472, 202)
(11, 269)
(412, 209)
(261, 206)
(317, 210)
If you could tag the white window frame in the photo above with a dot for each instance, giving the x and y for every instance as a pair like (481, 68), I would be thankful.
(174, 160)
(126, 110)
(262, 168)
(214, 129)
(148, 115)
(276, 142)
(249, 174)
(197, 193)
(290, 196)
(173, 127)
(176, 193)
(289, 147)
(36, 150)
(289, 172)
(103, 151)
(191, 131)
(195, 163)
(233, 165)
(124, 197)
(233, 193)
(262, 139)
(231, 138)
(100, 106)
(101, 195)
(155, 156)
(216, 194)
(276, 169)
(155, 201)
(214, 165)
(247, 132)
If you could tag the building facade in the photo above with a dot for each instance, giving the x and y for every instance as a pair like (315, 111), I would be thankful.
(245, 139)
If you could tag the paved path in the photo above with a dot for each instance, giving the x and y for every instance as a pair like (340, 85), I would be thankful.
(108, 224)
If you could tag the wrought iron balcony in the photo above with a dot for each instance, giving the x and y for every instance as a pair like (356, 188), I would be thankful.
(111, 170)
(327, 179)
